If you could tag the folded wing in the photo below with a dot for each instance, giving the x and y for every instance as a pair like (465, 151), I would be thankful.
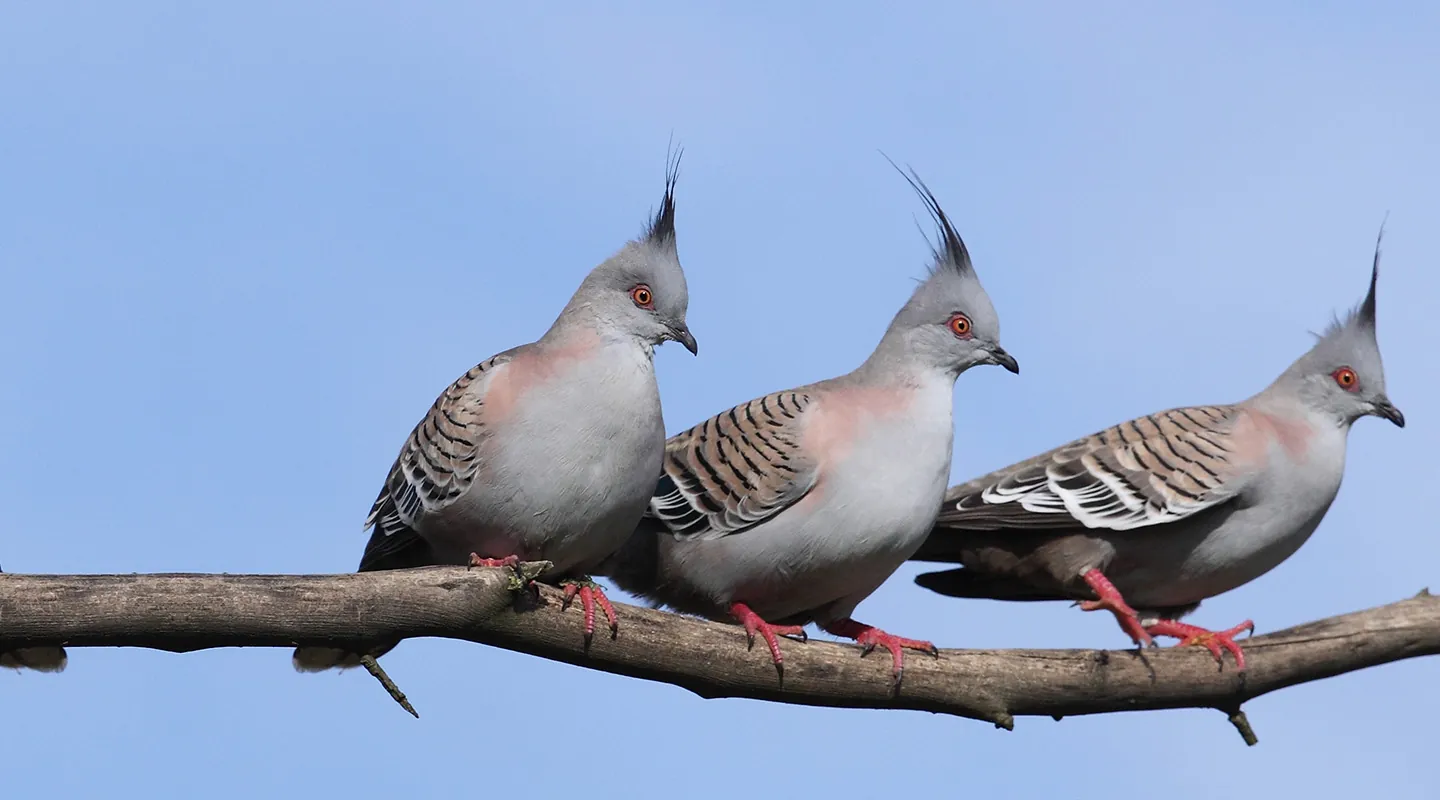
(736, 469)
(1148, 471)
(437, 465)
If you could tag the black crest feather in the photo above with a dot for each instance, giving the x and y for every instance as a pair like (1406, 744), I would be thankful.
(1366, 312)
(951, 253)
(1363, 315)
(661, 230)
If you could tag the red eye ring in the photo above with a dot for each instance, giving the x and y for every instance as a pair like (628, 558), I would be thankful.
(1347, 379)
(960, 326)
(642, 296)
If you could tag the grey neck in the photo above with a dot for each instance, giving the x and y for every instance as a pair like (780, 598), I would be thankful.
(894, 363)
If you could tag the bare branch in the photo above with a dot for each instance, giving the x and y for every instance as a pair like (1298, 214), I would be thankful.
(378, 673)
(182, 613)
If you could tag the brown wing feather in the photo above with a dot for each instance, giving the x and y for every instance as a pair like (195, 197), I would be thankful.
(1150, 470)
(437, 464)
(735, 469)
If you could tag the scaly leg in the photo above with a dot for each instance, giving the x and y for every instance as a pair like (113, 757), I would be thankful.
(1110, 600)
(1213, 641)
(869, 637)
(590, 594)
(754, 624)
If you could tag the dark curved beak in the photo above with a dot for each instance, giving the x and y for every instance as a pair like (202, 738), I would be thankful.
(683, 336)
(1386, 409)
(1004, 359)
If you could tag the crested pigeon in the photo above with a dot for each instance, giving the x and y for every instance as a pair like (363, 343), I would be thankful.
(1150, 517)
(548, 451)
(794, 507)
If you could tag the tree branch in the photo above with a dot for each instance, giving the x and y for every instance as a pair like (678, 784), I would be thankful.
(183, 612)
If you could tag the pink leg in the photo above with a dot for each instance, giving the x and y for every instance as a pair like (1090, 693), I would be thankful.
(754, 624)
(869, 637)
(1213, 641)
(1110, 600)
(590, 595)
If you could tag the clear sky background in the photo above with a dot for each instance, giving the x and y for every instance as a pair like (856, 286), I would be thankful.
(244, 248)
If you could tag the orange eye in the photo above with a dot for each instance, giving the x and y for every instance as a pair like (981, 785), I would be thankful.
(1347, 379)
(960, 326)
(642, 296)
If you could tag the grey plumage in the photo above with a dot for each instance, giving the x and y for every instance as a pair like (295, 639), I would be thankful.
(793, 507)
(547, 451)
(1173, 507)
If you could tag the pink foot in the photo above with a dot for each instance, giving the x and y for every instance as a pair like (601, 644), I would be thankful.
(507, 561)
(1213, 641)
(754, 624)
(590, 594)
(1110, 600)
(870, 637)
(519, 583)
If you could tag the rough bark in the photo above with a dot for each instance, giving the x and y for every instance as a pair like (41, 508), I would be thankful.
(185, 612)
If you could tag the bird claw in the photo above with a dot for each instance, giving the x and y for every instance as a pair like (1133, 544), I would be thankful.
(1217, 642)
(754, 624)
(1110, 600)
(869, 638)
(508, 561)
(519, 581)
(591, 594)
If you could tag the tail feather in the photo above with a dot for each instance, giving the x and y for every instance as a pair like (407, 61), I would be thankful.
(969, 583)
(399, 549)
(320, 659)
(40, 659)
(635, 567)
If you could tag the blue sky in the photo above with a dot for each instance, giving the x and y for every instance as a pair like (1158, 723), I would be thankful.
(244, 248)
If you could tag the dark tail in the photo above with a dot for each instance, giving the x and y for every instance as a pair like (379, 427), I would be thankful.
(635, 567)
(970, 583)
(40, 659)
(401, 549)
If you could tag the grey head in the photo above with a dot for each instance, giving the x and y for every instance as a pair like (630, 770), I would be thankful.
(639, 291)
(948, 324)
(1342, 375)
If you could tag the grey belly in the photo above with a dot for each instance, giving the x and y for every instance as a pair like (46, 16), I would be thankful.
(1194, 562)
(575, 543)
